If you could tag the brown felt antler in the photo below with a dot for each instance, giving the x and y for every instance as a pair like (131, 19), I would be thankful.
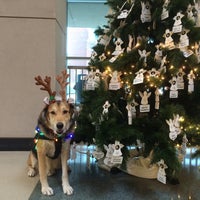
(46, 83)
(62, 82)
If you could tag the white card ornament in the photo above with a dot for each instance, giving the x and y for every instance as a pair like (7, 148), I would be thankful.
(115, 82)
(184, 40)
(118, 48)
(113, 59)
(144, 107)
(89, 81)
(143, 54)
(139, 77)
(117, 154)
(186, 52)
(173, 89)
(131, 111)
(191, 78)
(124, 12)
(109, 153)
(169, 42)
(146, 12)
(180, 81)
(158, 53)
(161, 176)
(165, 11)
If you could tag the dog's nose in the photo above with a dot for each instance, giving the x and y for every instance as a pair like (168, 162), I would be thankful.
(59, 125)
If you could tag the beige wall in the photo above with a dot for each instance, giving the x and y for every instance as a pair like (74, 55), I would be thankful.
(32, 42)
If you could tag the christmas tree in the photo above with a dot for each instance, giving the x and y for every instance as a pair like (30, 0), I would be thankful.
(143, 88)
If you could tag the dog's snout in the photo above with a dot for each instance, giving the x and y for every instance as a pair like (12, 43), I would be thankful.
(59, 125)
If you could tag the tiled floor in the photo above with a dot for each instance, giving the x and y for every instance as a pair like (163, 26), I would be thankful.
(95, 183)
(14, 182)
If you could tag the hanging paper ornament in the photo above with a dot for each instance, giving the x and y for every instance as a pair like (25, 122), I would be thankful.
(173, 89)
(191, 78)
(161, 176)
(153, 72)
(131, 111)
(105, 107)
(118, 48)
(115, 82)
(180, 81)
(158, 53)
(143, 55)
(93, 55)
(184, 40)
(105, 38)
(169, 43)
(109, 153)
(177, 27)
(117, 154)
(139, 77)
(97, 77)
(146, 12)
(186, 52)
(89, 81)
(190, 14)
(174, 127)
(131, 43)
(165, 11)
(176, 122)
(144, 107)
(124, 12)
(157, 99)
(172, 133)
(162, 68)
(197, 15)
(102, 57)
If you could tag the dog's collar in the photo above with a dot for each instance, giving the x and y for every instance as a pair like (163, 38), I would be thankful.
(57, 137)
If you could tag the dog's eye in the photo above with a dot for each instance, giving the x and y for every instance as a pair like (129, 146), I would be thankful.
(65, 111)
(53, 112)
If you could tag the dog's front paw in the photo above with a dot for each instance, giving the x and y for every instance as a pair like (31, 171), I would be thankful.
(67, 189)
(31, 172)
(47, 191)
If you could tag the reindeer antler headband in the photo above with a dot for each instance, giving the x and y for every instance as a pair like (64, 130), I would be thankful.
(46, 85)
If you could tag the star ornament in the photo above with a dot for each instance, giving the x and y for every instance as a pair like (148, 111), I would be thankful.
(153, 73)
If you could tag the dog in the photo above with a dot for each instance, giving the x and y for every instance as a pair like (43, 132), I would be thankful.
(54, 132)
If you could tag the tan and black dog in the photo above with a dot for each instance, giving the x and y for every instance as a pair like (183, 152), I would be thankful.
(54, 131)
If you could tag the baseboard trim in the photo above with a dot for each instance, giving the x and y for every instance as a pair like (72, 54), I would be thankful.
(16, 144)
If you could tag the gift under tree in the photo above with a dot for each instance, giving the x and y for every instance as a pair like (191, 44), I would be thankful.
(142, 91)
